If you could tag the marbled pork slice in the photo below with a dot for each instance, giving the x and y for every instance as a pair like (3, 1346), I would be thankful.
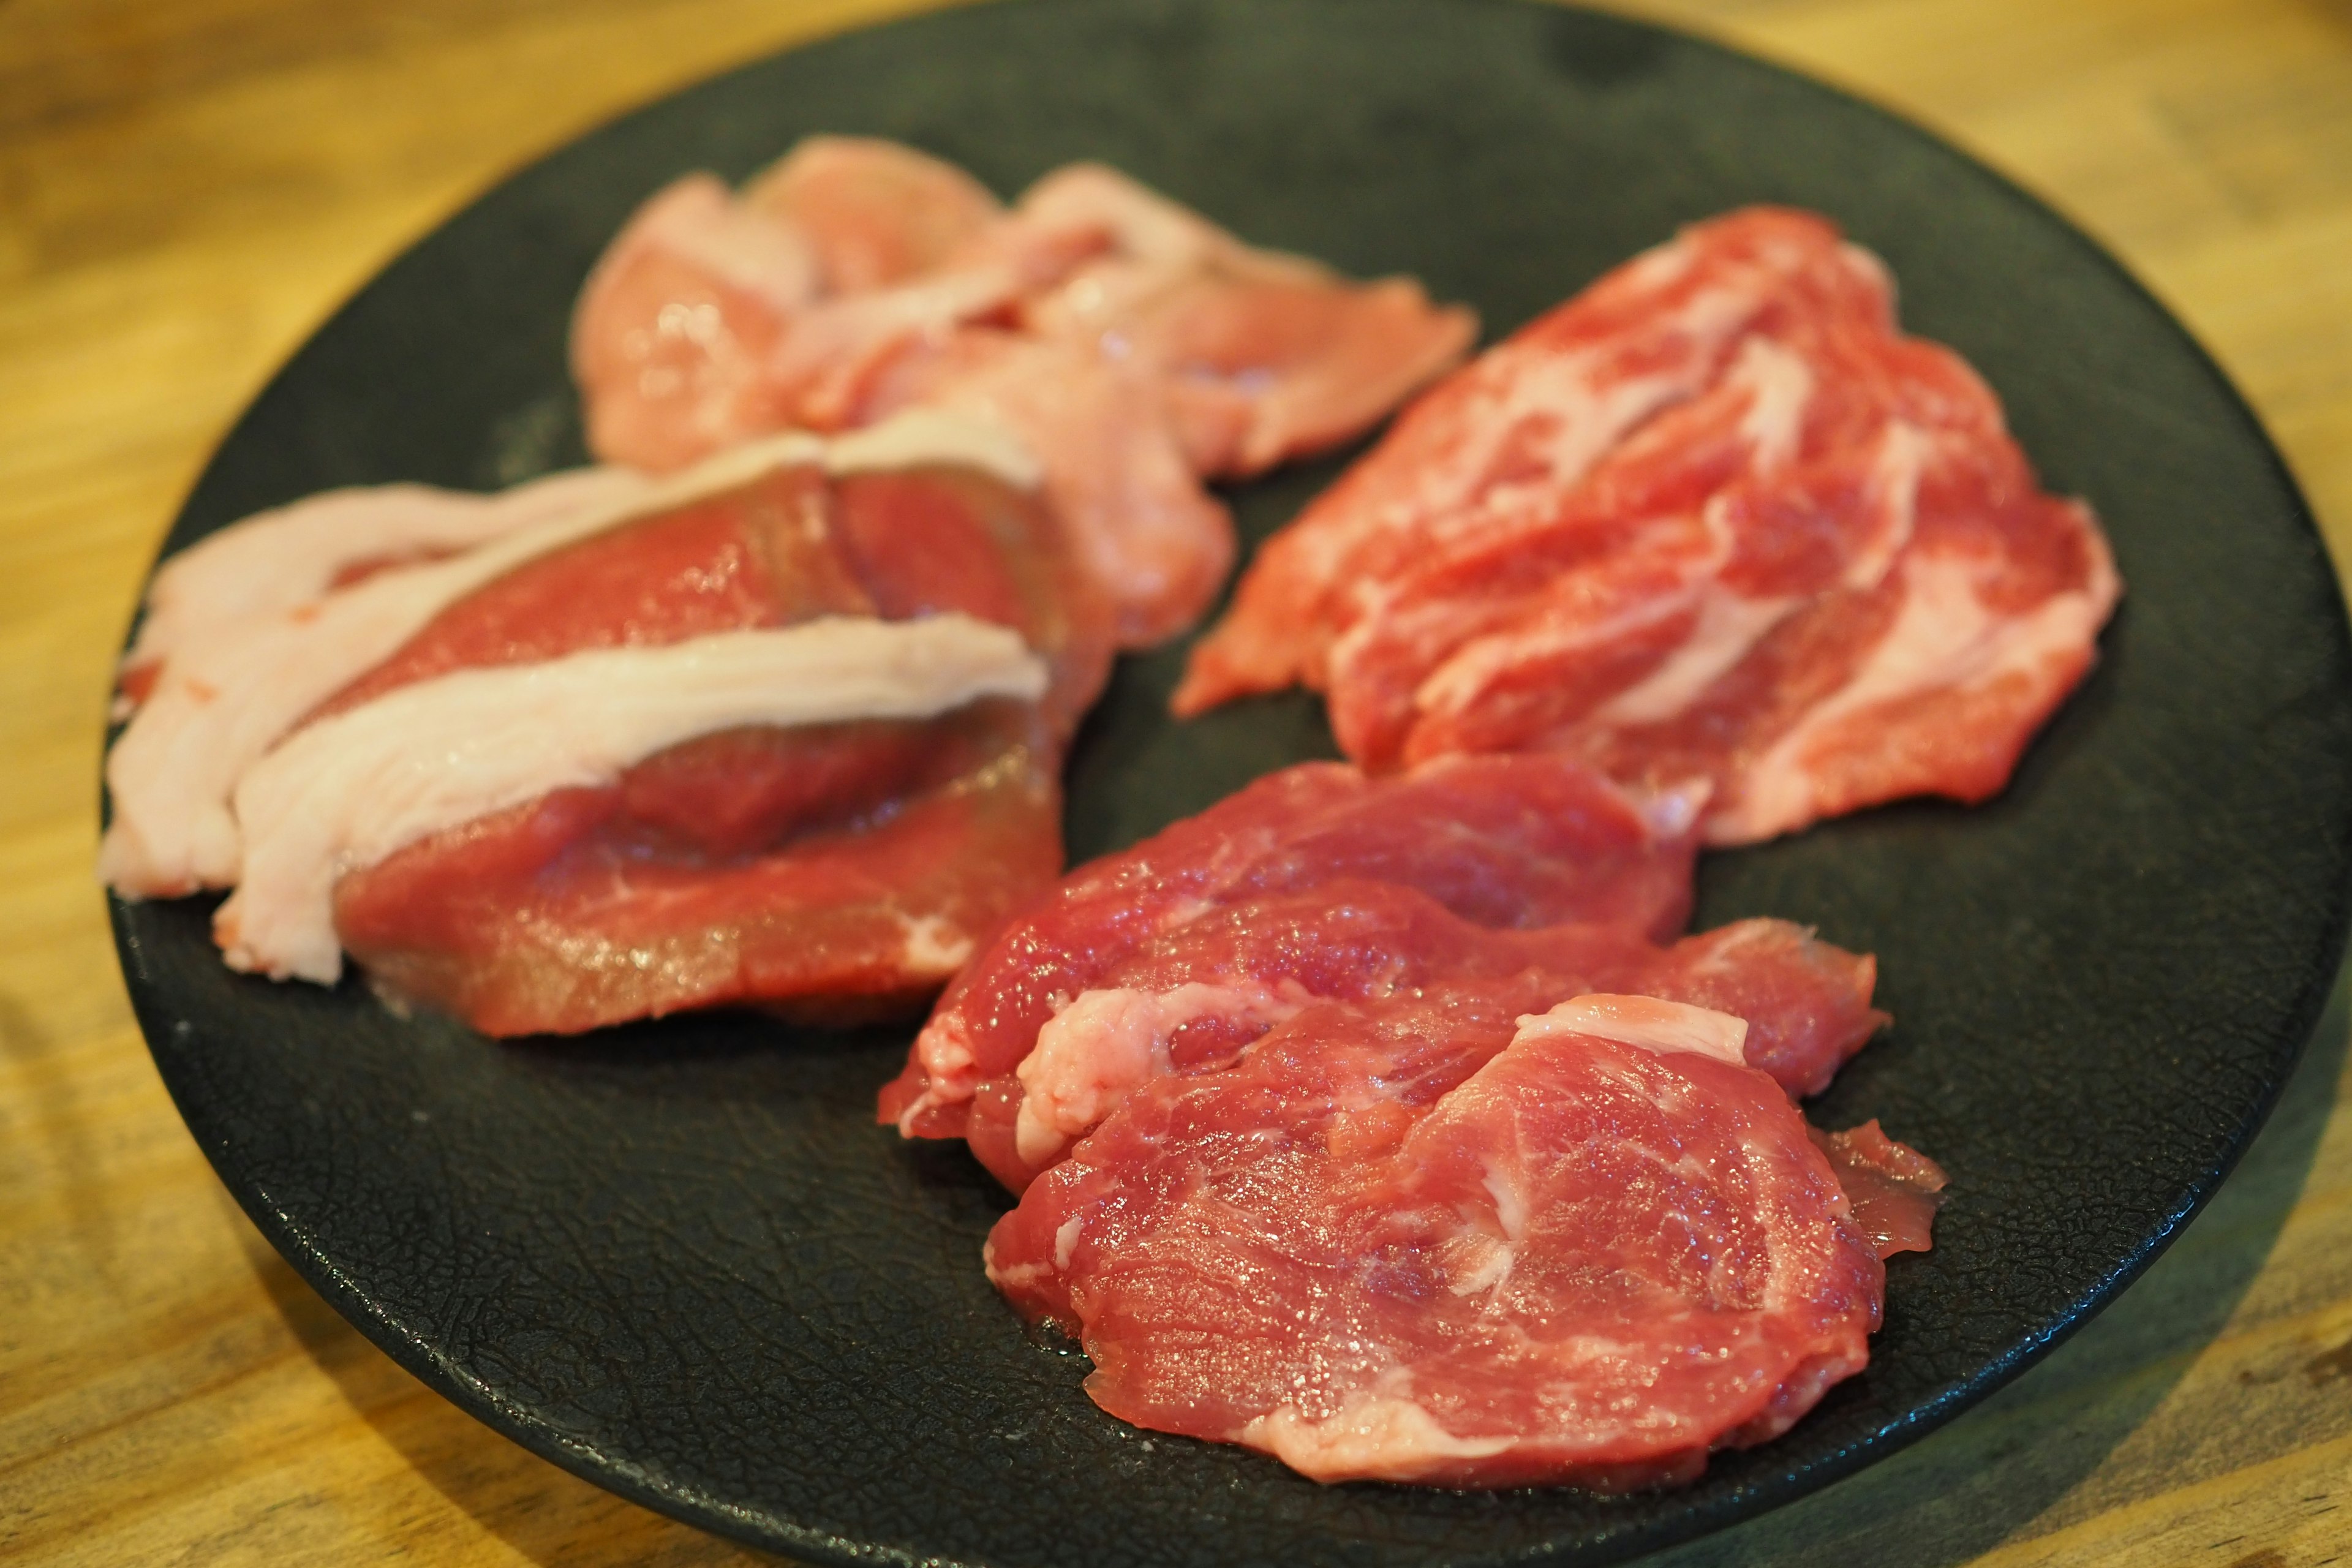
(1500, 841)
(1815, 570)
(1433, 1239)
(1191, 999)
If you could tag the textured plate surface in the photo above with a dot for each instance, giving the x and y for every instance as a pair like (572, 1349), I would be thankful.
(681, 1260)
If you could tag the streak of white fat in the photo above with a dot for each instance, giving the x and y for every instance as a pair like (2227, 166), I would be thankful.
(1662, 1027)
(1779, 384)
(355, 787)
(1943, 638)
(1371, 1437)
(921, 436)
(1066, 1241)
(1729, 626)
(1467, 674)
(276, 560)
(934, 944)
(1894, 501)
(225, 699)
(1106, 1043)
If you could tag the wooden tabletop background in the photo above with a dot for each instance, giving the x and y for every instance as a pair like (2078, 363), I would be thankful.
(187, 187)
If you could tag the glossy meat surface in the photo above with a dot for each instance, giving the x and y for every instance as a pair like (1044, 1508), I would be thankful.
(1136, 347)
(1502, 842)
(1192, 998)
(1410, 1239)
(1713, 517)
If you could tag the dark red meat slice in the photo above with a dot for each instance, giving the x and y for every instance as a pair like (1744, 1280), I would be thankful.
(1192, 998)
(846, 895)
(836, 870)
(1895, 1190)
(1393, 1243)
(1500, 841)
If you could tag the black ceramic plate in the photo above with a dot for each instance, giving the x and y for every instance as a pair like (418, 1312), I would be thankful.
(681, 1260)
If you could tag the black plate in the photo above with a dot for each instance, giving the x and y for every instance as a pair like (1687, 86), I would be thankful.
(680, 1260)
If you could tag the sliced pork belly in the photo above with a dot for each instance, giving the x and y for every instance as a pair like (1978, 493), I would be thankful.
(812, 694)
(1138, 347)
(294, 554)
(1715, 517)
(445, 752)
(1475, 1235)
(1192, 998)
(1500, 842)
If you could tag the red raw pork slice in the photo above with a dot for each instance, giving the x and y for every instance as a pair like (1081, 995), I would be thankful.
(1193, 997)
(1135, 347)
(1499, 841)
(836, 870)
(1430, 1238)
(1715, 517)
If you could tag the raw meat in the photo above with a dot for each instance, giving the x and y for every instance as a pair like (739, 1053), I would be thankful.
(1193, 997)
(684, 835)
(219, 691)
(1715, 518)
(1135, 346)
(1499, 841)
(1446, 1236)
(355, 787)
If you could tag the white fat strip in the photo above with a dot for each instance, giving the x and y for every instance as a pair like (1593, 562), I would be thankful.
(1943, 638)
(276, 560)
(225, 697)
(354, 788)
(1106, 1043)
(1372, 1438)
(924, 437)
(1729, 626)
(1457, 684)
(1780, 383)
(1665, 1027)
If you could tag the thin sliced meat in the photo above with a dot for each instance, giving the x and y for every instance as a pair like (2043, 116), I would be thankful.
(440, 753)
(1502, 842)
(874, 212)
(233, 688)
(1114, 473)
(1445, 1238)
(1895, 1190)
(1262, 356)
(1195, 996)
(1715, 517)
(855, 868)
(1135, 346)
(518, 822)
(278, 560)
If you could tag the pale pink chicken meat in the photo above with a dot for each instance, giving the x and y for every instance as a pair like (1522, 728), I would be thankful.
(1472, 1235)
(1135, 346)
(1715, 517)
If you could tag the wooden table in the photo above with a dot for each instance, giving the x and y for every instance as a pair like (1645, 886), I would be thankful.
(187, 188)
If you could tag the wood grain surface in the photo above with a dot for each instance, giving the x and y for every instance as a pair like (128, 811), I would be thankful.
(188, 186)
